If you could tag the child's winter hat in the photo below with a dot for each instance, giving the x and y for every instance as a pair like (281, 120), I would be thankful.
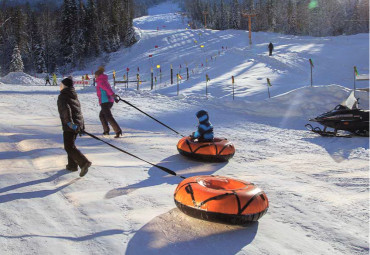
(68, 81)
(202, 115)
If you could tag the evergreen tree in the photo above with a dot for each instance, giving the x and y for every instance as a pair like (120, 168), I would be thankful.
(39, 58)
(93, 45)
(16, 63)
(69, 32)
(223, 16)
(235, 15)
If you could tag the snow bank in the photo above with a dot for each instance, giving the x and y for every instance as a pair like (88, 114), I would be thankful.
(303, 102)
(21, 78)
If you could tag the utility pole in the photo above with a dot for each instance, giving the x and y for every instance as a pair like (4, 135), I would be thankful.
(249, 16)
(205, 13)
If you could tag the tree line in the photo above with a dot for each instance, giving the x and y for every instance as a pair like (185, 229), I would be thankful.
(296, 17)
(57, 38)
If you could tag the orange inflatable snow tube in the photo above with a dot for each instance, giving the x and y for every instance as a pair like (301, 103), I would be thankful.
(220, 149)
(221, 199)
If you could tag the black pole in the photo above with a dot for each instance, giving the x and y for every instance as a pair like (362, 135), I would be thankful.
(152, 79)
(187, 73)
(354, 80)
(311, 75)
(149, 116)
(132, 155)
(127, 79)
(206, 89)
(171, 75)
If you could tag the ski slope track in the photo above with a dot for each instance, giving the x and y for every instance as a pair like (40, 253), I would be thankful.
(318, 187)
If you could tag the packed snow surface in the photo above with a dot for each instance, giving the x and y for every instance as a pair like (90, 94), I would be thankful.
(318, 187)
(21, 78)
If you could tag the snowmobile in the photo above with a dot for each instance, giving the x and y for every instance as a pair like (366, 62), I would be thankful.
(345, 116)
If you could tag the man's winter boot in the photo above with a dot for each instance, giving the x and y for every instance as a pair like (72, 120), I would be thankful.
(72, 169)
(85, 168)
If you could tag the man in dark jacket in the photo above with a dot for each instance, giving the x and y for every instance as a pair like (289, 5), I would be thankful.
(73, 123)
(205, 128)
(271, 47)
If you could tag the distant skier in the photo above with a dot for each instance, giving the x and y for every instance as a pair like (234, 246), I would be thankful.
(106, 99)
(73, 123)
(271, 48)
(47, 80)
(55, 80)
(205, 128)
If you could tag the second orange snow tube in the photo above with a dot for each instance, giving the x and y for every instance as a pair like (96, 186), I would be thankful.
(221, 199)
(220, 149)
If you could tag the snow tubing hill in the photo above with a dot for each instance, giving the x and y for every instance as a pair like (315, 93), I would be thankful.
(219, 150)
(221, 199)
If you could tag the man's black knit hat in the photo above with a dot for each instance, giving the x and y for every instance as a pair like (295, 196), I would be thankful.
(68, 81)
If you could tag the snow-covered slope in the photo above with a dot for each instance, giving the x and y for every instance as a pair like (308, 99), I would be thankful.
(21, 78)
(166, 38)
(318, 187)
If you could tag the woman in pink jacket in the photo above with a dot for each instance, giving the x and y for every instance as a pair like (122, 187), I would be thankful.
(106, 100)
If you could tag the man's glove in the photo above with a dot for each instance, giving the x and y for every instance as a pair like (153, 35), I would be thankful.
(81, 132)
(74, 127)
(116, 98)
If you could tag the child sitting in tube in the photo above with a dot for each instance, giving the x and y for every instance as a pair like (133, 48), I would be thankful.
(205, 128)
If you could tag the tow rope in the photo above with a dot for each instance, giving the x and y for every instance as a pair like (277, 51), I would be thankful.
(128, 103)
(165, 169)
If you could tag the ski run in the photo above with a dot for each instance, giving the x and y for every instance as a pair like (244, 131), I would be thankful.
(318, 187)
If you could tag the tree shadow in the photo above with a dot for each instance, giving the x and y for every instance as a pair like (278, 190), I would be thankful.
(34, 194)
(340, 148)
(179, 164)
(71, 238)
(176, 233)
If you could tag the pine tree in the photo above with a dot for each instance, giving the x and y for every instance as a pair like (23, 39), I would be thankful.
(130, 37)
(39, 58)
(291, 18)
(69, 32)
(223, 16)
(16, 63)
(93, 44)
(235, 15)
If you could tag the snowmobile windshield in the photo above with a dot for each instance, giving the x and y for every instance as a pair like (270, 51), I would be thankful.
(350, 103)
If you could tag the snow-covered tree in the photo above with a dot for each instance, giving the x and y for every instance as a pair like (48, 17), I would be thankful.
(69, 32)
(235, 15)
(16, 63)
(223, 16)
(40, 65)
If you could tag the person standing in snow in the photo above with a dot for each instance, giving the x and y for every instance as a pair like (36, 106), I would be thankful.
(205, 128)
(55, 80)
(47, 80)
(106, 98)
(73, 123)
(271, 47)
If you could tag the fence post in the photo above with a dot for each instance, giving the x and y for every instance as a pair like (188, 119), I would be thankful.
(138, 80)
(187, 72)
(171, 75)
(311, 64)
(152, 79)
(127, 70)
(268, 86)
(233, 81)
(354, 78)
(178, 86)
